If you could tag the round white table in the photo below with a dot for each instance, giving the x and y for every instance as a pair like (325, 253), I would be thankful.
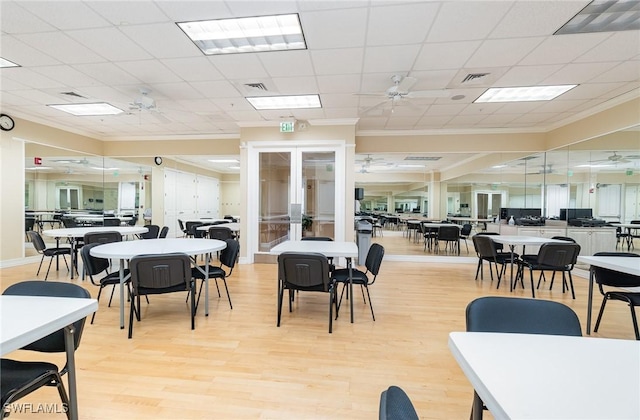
(79, 232)
(127, 250)
(234, 227)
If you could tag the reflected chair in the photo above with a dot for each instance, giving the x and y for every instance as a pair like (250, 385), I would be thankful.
(41, 248)
(487, 251)
(554, 257)
(228, 258)
(430, 234)
(151, 233)
(518, 316)
(372, 264)
(18, 378)
(164, 232)
(396, 405)
(465, 232)
(93, 266)
(450, 236)
(133, 221)
(29, 223)
(307, 272)
(159, 274)
(111, 222)
(620, 281)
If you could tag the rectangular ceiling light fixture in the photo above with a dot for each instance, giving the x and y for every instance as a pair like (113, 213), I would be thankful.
(285, 102)
(245, 35)
(83, 110)
(6, 63)
(523, 94)
(604, 16)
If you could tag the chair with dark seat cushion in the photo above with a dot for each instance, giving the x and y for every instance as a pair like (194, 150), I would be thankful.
(220, 232)
(372, 264)
(105, 237)
(19, 378)
(111, 221)
(465, 232)
(41, 248)
(191, 231)
(488, 251)
(620, 281)
(228, 258)
(151, 233)
(308, 272)
(396, 405)
(159, 274)
(519, 316)
(163, 232)
(554, 257)
(29, 223)
(133, 221)
(182, 228)
(450, 236)
(532, 258)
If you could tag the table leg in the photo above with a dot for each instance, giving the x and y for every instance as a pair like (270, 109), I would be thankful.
(590, 301)
(69, 344)
(207, 260)
(121, 271)
(73, 250)
(513, 248)
(350, 266)
(477, 407)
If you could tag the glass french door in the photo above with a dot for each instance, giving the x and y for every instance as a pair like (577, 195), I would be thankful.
(297, 190)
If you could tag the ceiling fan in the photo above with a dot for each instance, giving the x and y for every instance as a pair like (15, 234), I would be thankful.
(548, 169)
(144, 102)
(400, 90)
(615, 158)
(367, 161)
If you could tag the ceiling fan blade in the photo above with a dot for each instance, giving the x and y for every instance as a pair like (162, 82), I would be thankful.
(372, 108)
(406, 83)
(435, 93)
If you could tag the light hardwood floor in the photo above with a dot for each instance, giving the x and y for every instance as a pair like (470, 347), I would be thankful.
(237, 364)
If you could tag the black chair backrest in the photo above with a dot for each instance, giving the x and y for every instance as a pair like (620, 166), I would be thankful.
(466, 229)
(564, 238)
(396, 405)
(448, 233)
(105, 237)
(160, 273)
(229, 255)
(558, 255)
(69, 221)
(93, 265)
(181, 224)
(606, 277)
(37, 241)
(111, 222)
(164, 232)
(521, 315)
(29, 222)
(304, 271)
(374, 258)
(191, 227)
(152, 232)
(484, 246)
(317, 238)
(496, 245)
(133, 221)
(220, 232)
(54, 342)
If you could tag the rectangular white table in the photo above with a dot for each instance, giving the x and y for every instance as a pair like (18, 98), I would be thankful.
(535, 376)
(336, 249)
(622, 264)
(629, 227)
(25, 319)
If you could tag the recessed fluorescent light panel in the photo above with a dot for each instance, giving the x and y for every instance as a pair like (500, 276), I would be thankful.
(523, 94)
(83, 110)
(604, 16)
(246, 35)
(6, 63)
(285, 102)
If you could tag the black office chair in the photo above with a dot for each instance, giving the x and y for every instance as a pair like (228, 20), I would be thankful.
(158, 274)
(465, 232)
(487, 251)
(182, 228)
(41, 248)
(610, 278)
(19, 379)
(133, 221)
(191, 231)
(307, 272)
(228, 258)
(450, 235)
(29, 223)
(151, 233)
(111, 222)
(372, 264)
(519, 316)
(532, 258)
(220, 232)
(164, 232)
(554, 257)
(105, 237)
(396, 405)
(332, 266)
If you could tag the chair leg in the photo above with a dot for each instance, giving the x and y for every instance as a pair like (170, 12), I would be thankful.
(604, 302)
(41, 259)
(370, 304)
(280, 297)
(635, 321)
(131, 317)
(193, 304)
(573, 293)
(478, 269)
(62, 392)
(331, 299)
(227, 289)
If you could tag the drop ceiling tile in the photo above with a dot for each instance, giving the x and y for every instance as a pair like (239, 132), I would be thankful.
(432, 121)
(67, 75)
(416, 21)
(25, 55)
(526, 75)
(619, 46)
(337, 61)
(217, 89)
(451, 109)
(110, 43)
(401, 123)
(193, 68)
(261, 7)
(578, 73)
(65, 15)
(30, 78)
(591, 90)
(184, 10)
(39, 96)
(465, 121)
(371, 123)
(559, 49)
(335, 112)
(466, 21)
(287, 63)
(178, 91)
(107, 73)
(10, 99)
(446, 55)
(62, 47)
(498, 120)
(347, 28)
(534, 118)
(559, 105)
(536, 18)
(502, 52)
(378, 59)
(482, 109)
(435, 79)
(623, 72)
(295, 85)
(312, 5)
(129, 12)
(14, 19)
(239, 66)
(162, 40)
(345, 83)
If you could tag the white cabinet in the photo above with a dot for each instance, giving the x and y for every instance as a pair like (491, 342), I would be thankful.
(594, 240)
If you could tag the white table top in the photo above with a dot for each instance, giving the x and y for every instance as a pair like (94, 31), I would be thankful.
(41, 213)
(100, 218)
(522, 376)
(79, 232)
(523, 240)
(439, 225)
(235, 227)
(25, 319)
(205, 220)
(129, 249)
(623, 264)
(626, 225)
(327, 248)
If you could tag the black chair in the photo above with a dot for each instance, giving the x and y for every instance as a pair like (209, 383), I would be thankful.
(450, 235)
(29, 223)
(610, 278)
(94, 266)
(532, 258)
(220, 233)
(182, 228)
(554, 257)
(41, 248)
(465, 232)
(307, 272)
(372, 264)
(133, 221)
(191, 231)
(105, 237)
(430, 234)
(487, 251)
(152, 232)
(519, 316)
(18, 378)
(164, 232)
(332, 267)
(228, 258)
(111, 221)
(159, 274)
(396, 405)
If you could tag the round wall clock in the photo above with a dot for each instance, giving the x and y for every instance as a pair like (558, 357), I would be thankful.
(158, 160)
(6, 122)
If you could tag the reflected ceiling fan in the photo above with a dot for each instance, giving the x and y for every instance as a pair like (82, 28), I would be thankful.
(401, 90)
(367, 161)
(615, 158)
(548, 169)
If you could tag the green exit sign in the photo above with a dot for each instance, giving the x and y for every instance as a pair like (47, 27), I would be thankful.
(287, 127)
